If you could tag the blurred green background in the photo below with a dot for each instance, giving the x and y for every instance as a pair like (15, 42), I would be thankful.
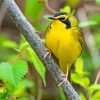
(22, 74)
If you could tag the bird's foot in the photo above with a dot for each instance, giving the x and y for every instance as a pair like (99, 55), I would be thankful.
(64, 80)
(47, 54)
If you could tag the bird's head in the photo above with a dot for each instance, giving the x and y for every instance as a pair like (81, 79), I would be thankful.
(64, 19)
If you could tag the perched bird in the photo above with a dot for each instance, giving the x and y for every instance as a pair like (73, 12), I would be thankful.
(64, 39)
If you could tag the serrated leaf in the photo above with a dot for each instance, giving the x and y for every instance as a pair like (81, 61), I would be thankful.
(76, 78)
(13, 74)
(94, 88)
(6, 72)
(20, 68)
(34, 59)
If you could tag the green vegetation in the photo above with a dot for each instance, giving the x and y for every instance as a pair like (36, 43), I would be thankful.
(21, 71)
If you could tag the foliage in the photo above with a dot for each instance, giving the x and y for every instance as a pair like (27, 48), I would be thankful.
(73, 3)
(33, 58)
(20, 65)
(80, 77)
(11, 75)
(66, 9)
(13, 71)
(33, 9)
(98, 2)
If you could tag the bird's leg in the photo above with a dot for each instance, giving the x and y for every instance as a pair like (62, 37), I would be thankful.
(47, 54)
(65, 77)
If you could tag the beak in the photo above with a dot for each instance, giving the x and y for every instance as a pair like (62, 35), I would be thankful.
(51, 17)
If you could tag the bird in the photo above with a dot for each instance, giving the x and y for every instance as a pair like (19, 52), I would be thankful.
(64, 39)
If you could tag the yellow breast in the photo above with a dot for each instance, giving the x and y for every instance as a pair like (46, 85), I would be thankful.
(64, 44)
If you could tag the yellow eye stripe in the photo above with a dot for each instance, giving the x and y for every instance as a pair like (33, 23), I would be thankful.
(60, 16)
(64, 39)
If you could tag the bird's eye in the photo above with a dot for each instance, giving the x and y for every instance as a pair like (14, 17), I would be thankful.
(62, 19)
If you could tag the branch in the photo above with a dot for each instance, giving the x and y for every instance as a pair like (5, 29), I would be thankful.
(97, 77)
(48, 7)
(34, 40)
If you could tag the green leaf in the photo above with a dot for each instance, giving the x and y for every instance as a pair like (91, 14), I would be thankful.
(34, 59)
(82, 97)
(96, 96)
(94, 88)
(95, 18)
(20, 68)
(98, 2)
(22, 88)
(43, 26)
(5, 42)
(62, 94)
(23, 99)
(6, 73)
(3, 93)
(33, 9)
(97, 40)
(23, 45)
(79, 66)
(9, 44)
(66, 9)
(87, 23)
(2, 89)
(13, 73)
(82, 81)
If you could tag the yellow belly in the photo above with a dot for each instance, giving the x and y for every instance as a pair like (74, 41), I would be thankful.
(65, 45)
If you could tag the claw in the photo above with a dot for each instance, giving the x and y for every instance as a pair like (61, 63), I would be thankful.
(65, 75)
(64, 80)
(48, 53)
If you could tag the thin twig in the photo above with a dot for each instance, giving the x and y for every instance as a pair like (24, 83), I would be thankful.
(3, 11)
(49, 8)
(34, 40)
(97, 77)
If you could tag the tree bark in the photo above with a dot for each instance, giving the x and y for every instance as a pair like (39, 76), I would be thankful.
(34, 40)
